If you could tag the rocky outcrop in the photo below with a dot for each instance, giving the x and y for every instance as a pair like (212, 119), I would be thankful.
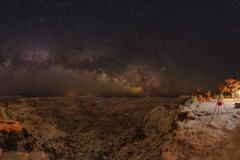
(160, 121)
(157, 128)
(192, 140)
(14, 143)
(13, 155)
(88, 128)
(10, 134)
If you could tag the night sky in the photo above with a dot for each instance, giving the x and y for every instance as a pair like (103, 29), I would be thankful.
(117, 47)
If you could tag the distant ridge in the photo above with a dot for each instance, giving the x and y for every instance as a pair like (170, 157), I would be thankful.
(10, 96)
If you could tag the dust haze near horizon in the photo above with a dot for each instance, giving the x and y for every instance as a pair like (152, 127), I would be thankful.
(113, 48)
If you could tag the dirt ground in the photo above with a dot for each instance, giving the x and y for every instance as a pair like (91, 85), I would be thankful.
(206, 139)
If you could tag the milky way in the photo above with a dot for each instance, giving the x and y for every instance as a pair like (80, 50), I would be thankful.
(117, 48)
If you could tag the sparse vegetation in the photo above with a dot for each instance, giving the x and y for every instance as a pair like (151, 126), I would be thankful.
(187, 101)
(231, 85)
(190, 100)
(207, 96)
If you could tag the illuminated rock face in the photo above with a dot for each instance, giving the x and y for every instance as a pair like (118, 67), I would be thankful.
(10, 134)
(10, 126)
(13, 155)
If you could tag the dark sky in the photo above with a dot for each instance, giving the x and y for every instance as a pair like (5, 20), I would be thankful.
(117, 47)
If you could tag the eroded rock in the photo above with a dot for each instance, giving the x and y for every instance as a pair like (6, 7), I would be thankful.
(191, 115)
(13, 155)
(159, 121)
(38, 156)
(10, 134)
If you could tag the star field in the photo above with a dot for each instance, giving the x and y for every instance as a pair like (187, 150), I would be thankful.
(110, 47)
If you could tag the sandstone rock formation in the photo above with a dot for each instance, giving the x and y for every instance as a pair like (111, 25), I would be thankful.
(159, 121)
(13, 155)
(92, 128)
(12, 140)
(10, 134)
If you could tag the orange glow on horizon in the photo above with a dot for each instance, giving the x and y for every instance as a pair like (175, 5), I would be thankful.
(138, 90)
(71, 93)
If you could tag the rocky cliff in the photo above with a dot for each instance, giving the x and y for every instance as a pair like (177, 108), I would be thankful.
(91, 128)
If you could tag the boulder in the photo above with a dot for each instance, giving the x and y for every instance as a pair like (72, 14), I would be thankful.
(203, 113)
(38, 156)
(159, 121)
(191, 115)
(13, 155)
(187, 114)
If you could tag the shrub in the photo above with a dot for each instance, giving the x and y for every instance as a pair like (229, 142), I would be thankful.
(200, 98)
(187, 101)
